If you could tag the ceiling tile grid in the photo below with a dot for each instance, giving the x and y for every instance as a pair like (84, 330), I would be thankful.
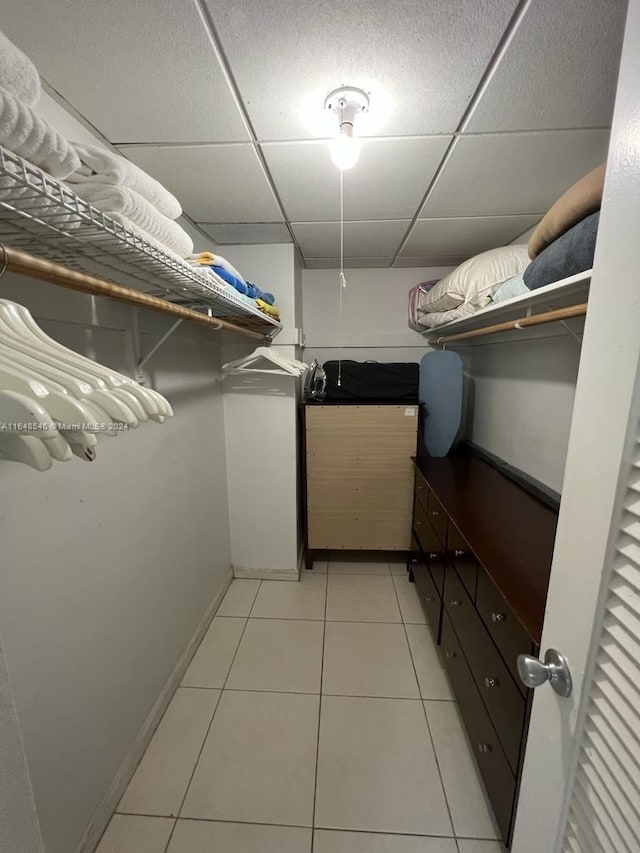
(215, 183)
(482, 112)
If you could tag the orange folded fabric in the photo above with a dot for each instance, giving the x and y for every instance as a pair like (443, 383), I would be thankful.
(583, 198)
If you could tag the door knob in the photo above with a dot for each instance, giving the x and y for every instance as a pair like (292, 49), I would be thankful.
(555, 670)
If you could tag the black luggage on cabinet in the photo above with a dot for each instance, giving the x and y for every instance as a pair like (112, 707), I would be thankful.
(371, 382)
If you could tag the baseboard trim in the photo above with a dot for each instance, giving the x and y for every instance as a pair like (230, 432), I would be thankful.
(266, 574)
(98, 824)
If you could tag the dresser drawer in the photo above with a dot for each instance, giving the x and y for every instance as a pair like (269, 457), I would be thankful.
(422, 492)
(429, 597)
(504, 702)
(500, 782)
(463, 558)
(424, 533)
(438, 518)
(508, 634)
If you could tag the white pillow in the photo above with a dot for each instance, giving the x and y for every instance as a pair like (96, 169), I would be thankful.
(475, 280)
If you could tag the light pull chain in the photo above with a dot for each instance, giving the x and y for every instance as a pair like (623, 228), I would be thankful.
(342, 281)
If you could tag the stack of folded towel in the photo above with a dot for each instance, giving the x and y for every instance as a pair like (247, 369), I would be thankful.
(21, 129)
(119, 188)
(230, 275)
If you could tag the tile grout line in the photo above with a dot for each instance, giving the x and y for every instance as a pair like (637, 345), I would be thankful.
(204, 740)
(426, 717)
(302, 826)
(315, 783)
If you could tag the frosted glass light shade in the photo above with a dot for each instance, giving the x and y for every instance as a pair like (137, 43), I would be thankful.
(345, 150)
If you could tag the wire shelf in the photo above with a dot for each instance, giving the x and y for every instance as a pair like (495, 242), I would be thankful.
(41, 215)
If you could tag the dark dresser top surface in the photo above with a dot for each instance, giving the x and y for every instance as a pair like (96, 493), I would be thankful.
(510, 531)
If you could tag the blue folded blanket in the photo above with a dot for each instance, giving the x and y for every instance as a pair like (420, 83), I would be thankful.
(256, 293)
(231, 279)
(570, 254)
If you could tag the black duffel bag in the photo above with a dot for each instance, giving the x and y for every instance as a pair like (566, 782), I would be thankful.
(371, 382)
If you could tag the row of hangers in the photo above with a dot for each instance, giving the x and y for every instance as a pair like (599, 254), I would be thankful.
(54, 402)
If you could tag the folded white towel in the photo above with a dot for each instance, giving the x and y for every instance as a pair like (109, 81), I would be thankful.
(18, 74)
(25, 194)
(31, 137)
(101, 165)
(123, 203)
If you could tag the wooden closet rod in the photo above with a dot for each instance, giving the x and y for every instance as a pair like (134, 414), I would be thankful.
(24, 264)
(510, 325)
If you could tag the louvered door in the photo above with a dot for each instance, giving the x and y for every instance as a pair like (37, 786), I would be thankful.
(604, 809)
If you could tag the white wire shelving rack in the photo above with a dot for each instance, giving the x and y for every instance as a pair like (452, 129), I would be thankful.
(42, 216)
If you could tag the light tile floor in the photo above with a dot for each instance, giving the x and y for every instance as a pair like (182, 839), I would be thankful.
(314, 718)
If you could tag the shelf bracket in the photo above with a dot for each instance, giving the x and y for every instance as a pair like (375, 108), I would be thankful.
(140, 374)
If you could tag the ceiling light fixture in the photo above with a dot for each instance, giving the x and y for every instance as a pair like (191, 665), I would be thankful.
(346, 102)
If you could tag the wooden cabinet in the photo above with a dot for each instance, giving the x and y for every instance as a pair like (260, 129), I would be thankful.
(481, 557)
(359, 477)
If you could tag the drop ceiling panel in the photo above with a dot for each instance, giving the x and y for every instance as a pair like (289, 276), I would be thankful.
(559, 70)
(139, 71)
(513, 173)
(247, 232)
(407, 54)
(465, 236)
(349, 263)
(388, 181)
(220, 183)
(361, 239)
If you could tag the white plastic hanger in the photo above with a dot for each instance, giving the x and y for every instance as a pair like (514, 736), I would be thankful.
(45, 368)
(21, 415)
(19, 320)
(285, 366)
(62, 407)
(26, 448)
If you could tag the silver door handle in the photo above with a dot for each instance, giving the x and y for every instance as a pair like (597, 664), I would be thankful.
(555, 670)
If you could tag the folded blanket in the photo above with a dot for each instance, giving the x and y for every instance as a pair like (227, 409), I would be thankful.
(268, 309)
(31, 137)
(433, 319)
(18, 74)
(583, 198)
(256, 293)
(128, 203)
(103, 166)
(571, 253)
(510, 288)
(233, 280)
(209, 259)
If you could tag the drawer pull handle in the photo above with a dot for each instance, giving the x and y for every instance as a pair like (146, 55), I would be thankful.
(418, 524)
(421, 488)
(455, 603)
(484, 747)
(498, 617)
(435, 512)
(491, 682)
(458, 553)
(429, 599)
(450, 655)
(433, 556)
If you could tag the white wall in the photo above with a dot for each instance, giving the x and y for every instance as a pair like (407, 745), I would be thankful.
(261, 430)
(521, 398)
(374, 318)
(108, 568)
(19, 827)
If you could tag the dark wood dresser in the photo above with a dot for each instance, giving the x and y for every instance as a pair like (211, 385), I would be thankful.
(481, 555)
